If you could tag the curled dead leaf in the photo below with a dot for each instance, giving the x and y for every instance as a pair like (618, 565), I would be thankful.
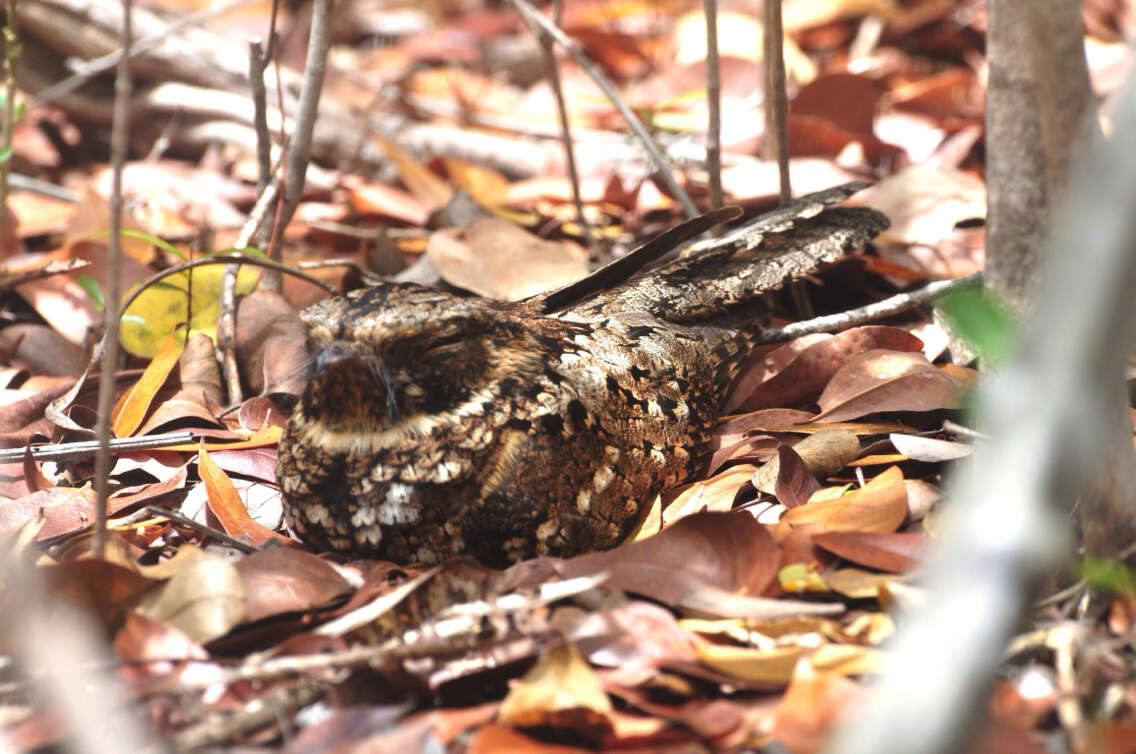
(823, 453)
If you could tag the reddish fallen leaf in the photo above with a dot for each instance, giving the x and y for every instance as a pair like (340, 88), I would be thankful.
(226, 504)
(188, 408)
(727, 551)
(255, 463)
(65, 509)
(812, 368)
(498, 739)
(878, 381)
(848, 100)
(107, 589)
(811, 707)
(281, 580)
(386, 201)
(879, 506)
(795, 483)
(764, 363)
(895, 552)
(151, 649)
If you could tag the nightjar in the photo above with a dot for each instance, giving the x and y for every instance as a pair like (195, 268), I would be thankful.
(436, 425)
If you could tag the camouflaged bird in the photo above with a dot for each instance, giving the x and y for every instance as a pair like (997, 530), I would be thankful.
(436, 425)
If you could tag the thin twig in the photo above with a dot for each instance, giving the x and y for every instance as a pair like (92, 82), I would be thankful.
(226, 319)
(553, 73)
(894, 305)
(713, 104)
(224, 259)
(120, 131)
(11, 52)
(208, 531)
(73, 451)
(776, 98)
(9, 281)
(300, 142)
(530, 14)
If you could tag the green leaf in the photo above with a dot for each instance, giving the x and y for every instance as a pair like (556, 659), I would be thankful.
(147, 237)
(1110, 575)
(983, 321)
(92, 288)
(5, 154)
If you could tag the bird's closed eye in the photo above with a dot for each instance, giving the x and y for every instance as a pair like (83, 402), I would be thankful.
(446, 345)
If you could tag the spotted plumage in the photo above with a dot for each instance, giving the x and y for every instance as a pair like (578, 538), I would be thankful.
(436, 425)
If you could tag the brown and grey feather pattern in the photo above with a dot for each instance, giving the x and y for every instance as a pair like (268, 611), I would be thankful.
(435, 425)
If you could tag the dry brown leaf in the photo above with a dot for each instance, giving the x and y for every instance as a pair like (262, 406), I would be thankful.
(109, 590)
(280, 580)
(895, 552)
(386, 201)
(795, 483)
(811, 708)
(714, 494)
(495, 258)
(924, 203)
(878, 506)
(65, 509)
(810, 368)
(272, 344)
(878, 381)
(488, 187)
(726, 551)
(205, 598)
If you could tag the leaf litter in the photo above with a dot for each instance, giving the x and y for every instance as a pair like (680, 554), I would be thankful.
(753, 608)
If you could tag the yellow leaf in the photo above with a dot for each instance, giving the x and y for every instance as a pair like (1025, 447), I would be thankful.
(801, 577)
(162, 307)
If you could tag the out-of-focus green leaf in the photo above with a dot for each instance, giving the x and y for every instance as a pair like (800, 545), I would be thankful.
(150, 238)
(985, 323)
(1109, 574)
(92, 288)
